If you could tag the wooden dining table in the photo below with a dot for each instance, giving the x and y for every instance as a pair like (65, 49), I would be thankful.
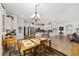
(29, 44)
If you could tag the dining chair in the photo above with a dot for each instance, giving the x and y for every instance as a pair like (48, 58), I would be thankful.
(42, 48)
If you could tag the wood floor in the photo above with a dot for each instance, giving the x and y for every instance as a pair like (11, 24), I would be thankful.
(60, 47)
(65, 46)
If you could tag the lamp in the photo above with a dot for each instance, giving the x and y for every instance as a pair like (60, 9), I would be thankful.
(36, 16)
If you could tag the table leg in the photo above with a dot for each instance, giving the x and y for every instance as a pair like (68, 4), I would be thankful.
(23, 53)
(50, 43)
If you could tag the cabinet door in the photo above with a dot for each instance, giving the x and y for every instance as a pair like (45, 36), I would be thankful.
(8, 23)
(69, 29)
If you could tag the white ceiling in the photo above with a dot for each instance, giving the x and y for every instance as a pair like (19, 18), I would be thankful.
(49, 12)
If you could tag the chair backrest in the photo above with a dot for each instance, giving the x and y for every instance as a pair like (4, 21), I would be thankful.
(44, 42)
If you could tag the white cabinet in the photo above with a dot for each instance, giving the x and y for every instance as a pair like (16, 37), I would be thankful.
(69, 29)
(8, 23)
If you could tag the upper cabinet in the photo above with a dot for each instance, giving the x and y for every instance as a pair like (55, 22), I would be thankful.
(8, 23)
(69, 29)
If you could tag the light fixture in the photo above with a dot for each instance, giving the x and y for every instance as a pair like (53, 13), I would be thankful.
(36, 16)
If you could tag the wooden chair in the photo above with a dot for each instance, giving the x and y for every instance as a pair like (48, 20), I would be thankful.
(42, 47)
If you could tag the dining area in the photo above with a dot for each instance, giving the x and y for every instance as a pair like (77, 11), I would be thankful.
(35, 45)
(31, 46)
(30, 30)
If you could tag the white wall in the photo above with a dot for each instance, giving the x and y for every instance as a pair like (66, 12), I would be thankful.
(1, 51)
(20, 23)
(74, 26)
(8, 23)
(2, 11)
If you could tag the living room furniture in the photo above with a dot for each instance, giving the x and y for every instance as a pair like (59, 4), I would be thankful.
(73, 37)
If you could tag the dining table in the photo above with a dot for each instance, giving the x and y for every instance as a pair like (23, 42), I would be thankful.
(28, 44)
